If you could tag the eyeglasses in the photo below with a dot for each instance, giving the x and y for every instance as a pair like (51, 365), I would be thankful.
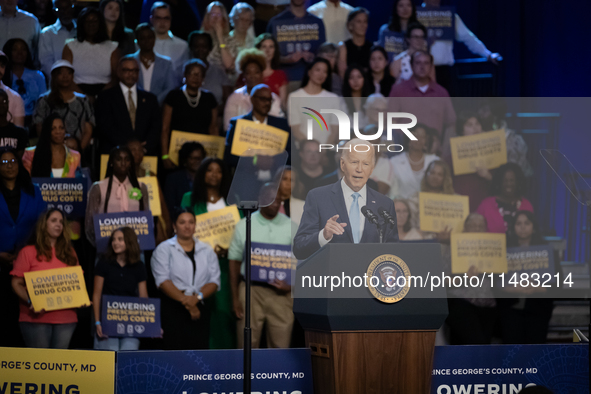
(5, 162)
(264, 99)
(418, 37)
(21, 87)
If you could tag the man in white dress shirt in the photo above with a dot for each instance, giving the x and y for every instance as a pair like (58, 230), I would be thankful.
(15, 23)
(53, 38)
(443, 50)
(167, 44)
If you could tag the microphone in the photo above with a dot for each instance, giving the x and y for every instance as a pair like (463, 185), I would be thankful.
(386, 215)
(373, 219)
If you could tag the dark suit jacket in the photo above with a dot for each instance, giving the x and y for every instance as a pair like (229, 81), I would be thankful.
(114, 124)
(323, 203)
(280, 123)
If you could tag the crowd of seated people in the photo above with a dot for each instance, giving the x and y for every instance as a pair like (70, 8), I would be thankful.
(79, 83)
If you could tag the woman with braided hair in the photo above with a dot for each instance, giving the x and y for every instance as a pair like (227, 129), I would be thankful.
(120, 191)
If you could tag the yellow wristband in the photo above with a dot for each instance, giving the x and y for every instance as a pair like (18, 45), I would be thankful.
(222, 46)
(164, 157)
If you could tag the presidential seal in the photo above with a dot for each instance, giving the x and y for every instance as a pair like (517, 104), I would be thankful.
(383, 273)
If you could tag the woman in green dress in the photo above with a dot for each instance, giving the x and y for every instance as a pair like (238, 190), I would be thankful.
(210, 190)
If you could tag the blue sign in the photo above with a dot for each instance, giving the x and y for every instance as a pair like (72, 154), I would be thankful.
(532, 259)
(133, 317)
(270, 261)
(141, 222)
(66, 194)
(506, 369)
(440, 22)
(393, 42)
(213, 371)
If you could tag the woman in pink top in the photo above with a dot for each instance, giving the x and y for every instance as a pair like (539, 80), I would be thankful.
(508, 186)
(52, 249)
(120, 191)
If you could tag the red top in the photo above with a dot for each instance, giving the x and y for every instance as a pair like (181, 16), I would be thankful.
(26, 261)
(276, 81)
(410, 89)
(494, 220)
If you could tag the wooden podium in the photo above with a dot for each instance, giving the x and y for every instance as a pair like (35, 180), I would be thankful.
(360, 344)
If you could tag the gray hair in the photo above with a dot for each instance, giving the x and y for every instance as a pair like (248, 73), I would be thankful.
(239, 9)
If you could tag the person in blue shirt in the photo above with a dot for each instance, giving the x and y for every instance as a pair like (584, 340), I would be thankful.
(298, 45)
(21, 76)
(21, 205)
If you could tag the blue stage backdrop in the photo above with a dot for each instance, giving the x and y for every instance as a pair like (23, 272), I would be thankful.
(213, 371)
(506, 369)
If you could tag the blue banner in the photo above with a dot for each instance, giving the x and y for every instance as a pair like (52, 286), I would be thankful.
(393, 42)
(66, 194)
(532, 259)
(440, 22)
(130, 317)
(506, 369)
(213, 371)
(141, 222)
(270, 261)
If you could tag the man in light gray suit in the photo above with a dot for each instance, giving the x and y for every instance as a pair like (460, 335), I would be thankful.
(157, 73)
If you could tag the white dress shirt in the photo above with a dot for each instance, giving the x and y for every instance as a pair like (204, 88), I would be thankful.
(176, 49)
(170, 262)
(147, 75)
(334, 18)
(348, 195)
(126, 90)
(22, 25)
(443, 50)
(51, 44)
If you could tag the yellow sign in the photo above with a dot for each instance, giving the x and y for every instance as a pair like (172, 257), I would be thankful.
(60, 288)
(214, 145)
(256, 136)
(151, 183)
(217, 227)
(438, 211)
(485, 251)
(56, 371)
(484, 150)
(150, 163)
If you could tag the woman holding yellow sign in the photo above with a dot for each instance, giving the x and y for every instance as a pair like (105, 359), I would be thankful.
(210, 190)
(52, 249)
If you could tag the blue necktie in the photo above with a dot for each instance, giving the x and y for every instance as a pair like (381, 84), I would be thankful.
(354, 217)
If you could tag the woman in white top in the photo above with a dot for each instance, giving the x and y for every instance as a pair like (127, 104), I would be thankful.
(416, 38)
(406, 231)
(92, 54)
(216, 22)
(315, 84)
(410, 165)
(242, 18)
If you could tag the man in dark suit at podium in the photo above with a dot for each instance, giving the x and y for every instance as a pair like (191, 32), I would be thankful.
(332, 213)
